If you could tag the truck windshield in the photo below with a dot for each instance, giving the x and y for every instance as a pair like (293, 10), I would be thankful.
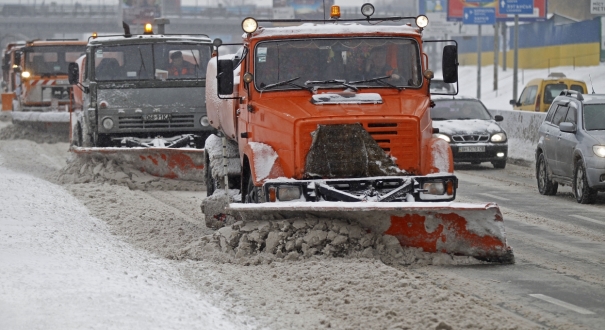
(594, 117)
(51, 60)
(348, 59)
(166, 61)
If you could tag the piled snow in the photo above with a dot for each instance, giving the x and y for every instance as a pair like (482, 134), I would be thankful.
(24, 132)
(101, 170)
(256, 242)
(62, 269)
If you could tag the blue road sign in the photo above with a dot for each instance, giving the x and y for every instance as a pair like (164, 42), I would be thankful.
(479, 15)
(514, 7)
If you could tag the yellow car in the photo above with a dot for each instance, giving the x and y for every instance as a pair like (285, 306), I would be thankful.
(539, 93)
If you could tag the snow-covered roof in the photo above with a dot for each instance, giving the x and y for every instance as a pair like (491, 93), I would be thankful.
(119, 39)
(320, 29)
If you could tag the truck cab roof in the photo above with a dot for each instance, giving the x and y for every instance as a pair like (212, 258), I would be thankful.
(122, 40)
(340, 30)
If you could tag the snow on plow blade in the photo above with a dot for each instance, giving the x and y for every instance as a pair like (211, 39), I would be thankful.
(173, 163)
(475, 230)
(56, 122)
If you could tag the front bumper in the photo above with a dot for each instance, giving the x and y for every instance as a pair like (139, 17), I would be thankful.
(595, 173)
(368, 189)
(490, 153)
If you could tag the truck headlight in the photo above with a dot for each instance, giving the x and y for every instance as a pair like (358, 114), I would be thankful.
(107, 123)
(434, 188)
(25, 74)
(204, 121)
(498, 137)
(599, 151)
(443, 137)
(288, 193)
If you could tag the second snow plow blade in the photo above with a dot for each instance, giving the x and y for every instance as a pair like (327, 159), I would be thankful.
(54, 122)
(172, 163)
(475, 230)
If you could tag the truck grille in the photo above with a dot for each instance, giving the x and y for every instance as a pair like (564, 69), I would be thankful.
(470, 138)
(137, 122)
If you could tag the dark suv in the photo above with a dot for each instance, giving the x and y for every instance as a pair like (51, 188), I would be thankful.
(571, 146)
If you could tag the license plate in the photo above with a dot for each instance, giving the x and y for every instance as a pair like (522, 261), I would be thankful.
(157, 117)
(472, 149)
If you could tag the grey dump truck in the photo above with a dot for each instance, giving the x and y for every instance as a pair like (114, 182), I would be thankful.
(142, 91)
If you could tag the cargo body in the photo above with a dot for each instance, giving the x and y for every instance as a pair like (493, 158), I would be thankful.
(333, 120)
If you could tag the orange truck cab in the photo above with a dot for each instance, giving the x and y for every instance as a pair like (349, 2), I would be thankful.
(342, 102)
(539, 93)
(44, 84)
(10, 78)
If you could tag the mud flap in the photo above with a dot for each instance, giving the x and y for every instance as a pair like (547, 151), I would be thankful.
(173, 163)
(475, 230)
(52, 122)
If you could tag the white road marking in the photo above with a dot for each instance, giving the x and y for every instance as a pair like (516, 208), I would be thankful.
(562, 304)
(494, 196)
(588, 219)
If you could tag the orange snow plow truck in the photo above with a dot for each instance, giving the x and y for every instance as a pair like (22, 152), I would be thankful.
(331, 119)
(44, 96)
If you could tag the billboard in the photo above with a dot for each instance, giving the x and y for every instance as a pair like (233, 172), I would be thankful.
(304, 9)
(455, 10)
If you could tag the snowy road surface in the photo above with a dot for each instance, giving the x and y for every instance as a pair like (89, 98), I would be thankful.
(62, 269)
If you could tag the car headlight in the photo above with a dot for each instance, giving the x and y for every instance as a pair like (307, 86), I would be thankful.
(599, 151)
(443, 137)
(498, 137)
(108, 123)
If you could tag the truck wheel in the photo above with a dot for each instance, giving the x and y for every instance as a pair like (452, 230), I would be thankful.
(251, 191)
(76, 138)
(500, 164)
(211, 184)
(545, 184)
(86, 141)
(584, 194)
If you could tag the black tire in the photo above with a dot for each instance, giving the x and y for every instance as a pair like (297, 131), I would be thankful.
(583, 193)
(499, 164)
(76, 139)
(545, 184)
(211, 183)
(252, 195)
(86, 141)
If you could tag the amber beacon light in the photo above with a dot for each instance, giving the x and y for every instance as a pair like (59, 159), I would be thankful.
(335, 12)
(148, 28)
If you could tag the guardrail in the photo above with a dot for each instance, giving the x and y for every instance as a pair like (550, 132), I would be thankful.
(522, 130)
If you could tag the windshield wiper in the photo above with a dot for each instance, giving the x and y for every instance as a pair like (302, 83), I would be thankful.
(286, 82)
(331, 81)
(142, 66)
(378, 80)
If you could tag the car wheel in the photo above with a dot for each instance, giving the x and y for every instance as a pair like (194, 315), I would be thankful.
(584, 194)
(500, 164)
(545, 185)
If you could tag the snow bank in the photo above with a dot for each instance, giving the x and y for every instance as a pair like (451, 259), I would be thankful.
(102, 169)
(62, 269)
(25, 132)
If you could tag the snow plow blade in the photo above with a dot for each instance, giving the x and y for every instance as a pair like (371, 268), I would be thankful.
(172, 163)
(53, 122)
(475, 230)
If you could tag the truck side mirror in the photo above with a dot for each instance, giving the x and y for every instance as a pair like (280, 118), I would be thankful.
(73, 73)
(225, 77)
(449, 64)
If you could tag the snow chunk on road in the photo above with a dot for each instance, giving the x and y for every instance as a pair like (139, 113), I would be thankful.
(62, 269)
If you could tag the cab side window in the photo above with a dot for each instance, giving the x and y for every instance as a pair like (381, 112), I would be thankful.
(528, 97)
(571, 115)
(551, 112)
(560, 115)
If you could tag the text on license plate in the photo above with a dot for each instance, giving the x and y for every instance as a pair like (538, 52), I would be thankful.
(472, 149)
(156, 117)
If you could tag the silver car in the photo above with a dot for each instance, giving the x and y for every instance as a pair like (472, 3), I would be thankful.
(571, 146)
